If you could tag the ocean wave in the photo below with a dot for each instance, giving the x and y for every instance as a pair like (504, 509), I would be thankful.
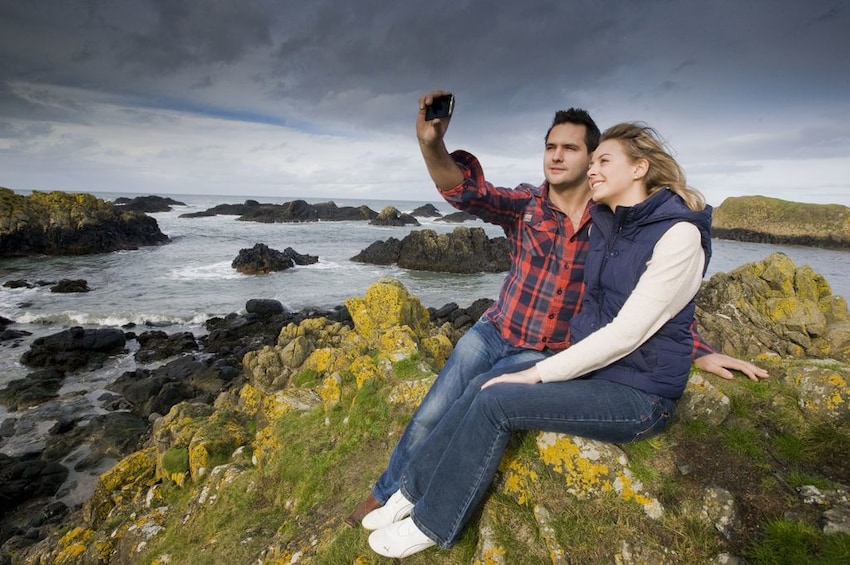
(215, 271)
(112, 320)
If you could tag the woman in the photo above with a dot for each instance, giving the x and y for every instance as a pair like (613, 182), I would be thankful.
(631, 346)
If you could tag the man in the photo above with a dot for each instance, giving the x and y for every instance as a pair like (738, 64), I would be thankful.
(547, 229)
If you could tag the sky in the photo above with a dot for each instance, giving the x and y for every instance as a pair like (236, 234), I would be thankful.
(318, 98)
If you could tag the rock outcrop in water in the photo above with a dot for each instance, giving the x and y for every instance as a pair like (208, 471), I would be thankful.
(294, 211)
(60, 223)
(266, 472)
(771, 220)
(148, 204)
(465, 250)
(261, 260)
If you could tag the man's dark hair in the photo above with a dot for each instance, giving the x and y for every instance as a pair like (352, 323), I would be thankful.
(578, 117)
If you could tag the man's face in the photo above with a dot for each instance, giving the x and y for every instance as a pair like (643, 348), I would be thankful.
(565, 158)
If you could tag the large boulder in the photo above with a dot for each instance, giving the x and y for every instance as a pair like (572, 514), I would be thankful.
(427, 211)
(465, 250)
(773, 307)
(59, 223)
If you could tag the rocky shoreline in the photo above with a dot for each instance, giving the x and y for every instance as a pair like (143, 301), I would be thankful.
(784, 315)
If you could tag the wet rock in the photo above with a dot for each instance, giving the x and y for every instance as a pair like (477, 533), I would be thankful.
(261, 259)
(68, 286)
(264, 307)
(35, 388)
(27, 477)
(156, 345)
(74, 348)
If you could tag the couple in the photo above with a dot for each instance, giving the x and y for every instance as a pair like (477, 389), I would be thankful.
(609, 300)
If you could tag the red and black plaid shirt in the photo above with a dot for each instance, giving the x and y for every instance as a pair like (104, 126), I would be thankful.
(544, 287)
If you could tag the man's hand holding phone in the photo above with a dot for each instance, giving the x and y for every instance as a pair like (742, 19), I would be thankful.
(435, 111)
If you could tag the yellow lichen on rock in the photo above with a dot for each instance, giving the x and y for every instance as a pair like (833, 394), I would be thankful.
(438, 347)
(387, 304)
(331, 390)
(410, 393)
(135, 472)
(518, 479)
(363, 368)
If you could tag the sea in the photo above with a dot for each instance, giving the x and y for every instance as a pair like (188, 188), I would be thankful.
(178, 286)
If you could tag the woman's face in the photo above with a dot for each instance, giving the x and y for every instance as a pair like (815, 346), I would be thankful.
(614, 179)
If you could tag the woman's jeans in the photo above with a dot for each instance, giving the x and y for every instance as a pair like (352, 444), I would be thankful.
(449, 475)
(481, 349)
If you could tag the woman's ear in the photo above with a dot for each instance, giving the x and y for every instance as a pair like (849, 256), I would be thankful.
(641, 168)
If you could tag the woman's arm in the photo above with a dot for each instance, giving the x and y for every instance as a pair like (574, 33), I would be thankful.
(671, 280)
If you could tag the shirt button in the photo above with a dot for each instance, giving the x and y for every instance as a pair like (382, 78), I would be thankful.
(560, 292)
(544, 339)
(566, 265)
(551, 316)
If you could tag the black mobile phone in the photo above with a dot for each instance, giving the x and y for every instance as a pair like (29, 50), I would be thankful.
(441, 107)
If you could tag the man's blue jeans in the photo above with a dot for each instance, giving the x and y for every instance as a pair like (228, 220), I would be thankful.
(449, 475)
(480, 349)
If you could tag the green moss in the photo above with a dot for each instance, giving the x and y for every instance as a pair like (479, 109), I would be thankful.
(176, 460)
(308, 378)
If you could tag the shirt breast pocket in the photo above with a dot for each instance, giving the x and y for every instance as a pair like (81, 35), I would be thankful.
(538, 236)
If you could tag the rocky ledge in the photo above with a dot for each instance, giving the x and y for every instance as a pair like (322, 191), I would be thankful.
(770, 220)
(266, 471)
(59, 223)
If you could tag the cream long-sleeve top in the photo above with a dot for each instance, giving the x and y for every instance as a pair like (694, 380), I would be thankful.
(671, 280)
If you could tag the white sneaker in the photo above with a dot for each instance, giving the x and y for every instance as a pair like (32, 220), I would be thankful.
(396, 508)
(400, 539)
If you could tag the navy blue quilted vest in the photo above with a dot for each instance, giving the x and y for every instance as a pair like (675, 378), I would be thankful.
(621, 243)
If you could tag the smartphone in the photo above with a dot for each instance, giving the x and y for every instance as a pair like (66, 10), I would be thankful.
(441, 107)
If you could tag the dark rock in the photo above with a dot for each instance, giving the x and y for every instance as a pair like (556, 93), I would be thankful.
(112, 436)
(457, 217)
(19, 283)
(465, 250)
(147, 204)
(295, 211)
(155, 345)
(26, 477)
(71, 285)
(59, 223)
(380, 252)
(185, 378)
(261, 259)
(7, 427)
(9, 335)
(74, 348)
(390, 216)
(37, 387)
(264, 306)
(427, 211)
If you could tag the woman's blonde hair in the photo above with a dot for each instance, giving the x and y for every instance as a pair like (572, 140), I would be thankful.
(640, 141)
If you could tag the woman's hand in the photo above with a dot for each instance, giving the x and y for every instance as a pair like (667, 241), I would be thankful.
(719, 364)
(529, 376)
